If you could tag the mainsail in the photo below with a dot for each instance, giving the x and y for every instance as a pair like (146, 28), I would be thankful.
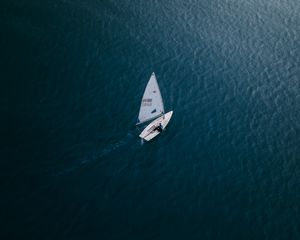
(152, 104)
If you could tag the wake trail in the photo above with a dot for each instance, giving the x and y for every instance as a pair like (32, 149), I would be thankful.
(127, 141)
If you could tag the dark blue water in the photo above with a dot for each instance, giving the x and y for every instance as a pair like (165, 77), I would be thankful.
(72, 77)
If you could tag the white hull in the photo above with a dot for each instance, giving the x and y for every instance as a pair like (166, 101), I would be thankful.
(148, 133)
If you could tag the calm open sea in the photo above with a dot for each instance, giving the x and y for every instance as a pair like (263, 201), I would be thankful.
(72, 76)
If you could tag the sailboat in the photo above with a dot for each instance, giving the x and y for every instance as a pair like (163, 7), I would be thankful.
(152, 108)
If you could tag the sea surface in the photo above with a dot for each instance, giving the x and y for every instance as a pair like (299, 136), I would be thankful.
(73, 73)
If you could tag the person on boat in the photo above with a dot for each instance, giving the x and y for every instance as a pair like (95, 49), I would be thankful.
(158, 128)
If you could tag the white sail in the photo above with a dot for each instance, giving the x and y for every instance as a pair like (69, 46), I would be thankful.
(152, 104)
